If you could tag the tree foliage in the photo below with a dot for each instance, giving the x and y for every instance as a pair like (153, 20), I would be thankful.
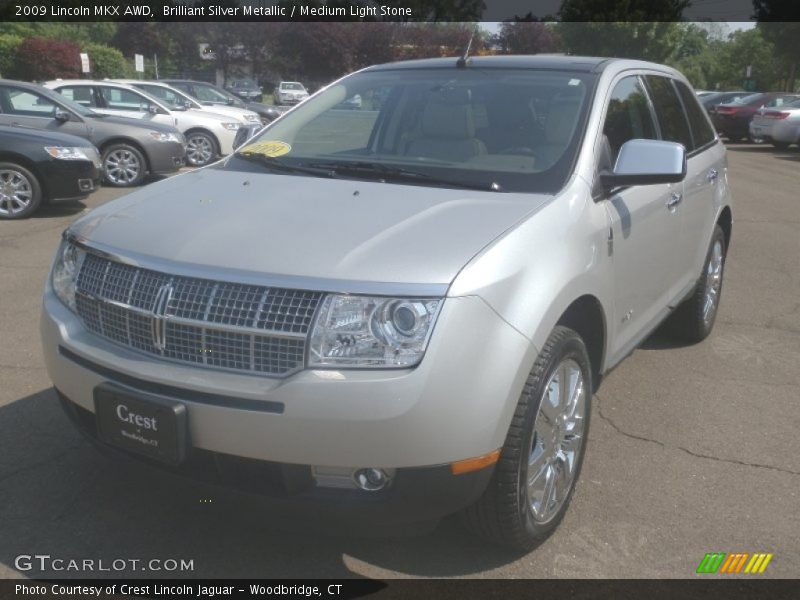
(522, 37)
(40, 59)
(107, 62)
(651, 40)
(8, 52)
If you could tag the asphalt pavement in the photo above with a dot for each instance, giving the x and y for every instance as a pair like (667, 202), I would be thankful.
(692, 449)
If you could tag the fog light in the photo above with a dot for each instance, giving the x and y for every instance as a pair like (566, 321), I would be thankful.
(85, 185)
(371, 480)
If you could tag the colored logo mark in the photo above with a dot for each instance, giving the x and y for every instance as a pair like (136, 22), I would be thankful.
(736, 562)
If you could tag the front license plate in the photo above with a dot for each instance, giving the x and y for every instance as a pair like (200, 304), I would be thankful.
(143, 424)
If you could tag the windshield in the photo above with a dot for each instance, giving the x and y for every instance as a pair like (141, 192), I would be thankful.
(292, 86)
(748, 99)
(174, 99)
(506, 129)
(207, 93)
(68, 103)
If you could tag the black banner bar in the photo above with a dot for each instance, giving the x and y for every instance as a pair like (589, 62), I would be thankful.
(711, 588)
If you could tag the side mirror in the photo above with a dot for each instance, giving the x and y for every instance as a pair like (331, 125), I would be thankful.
(61, 115)
(646, 162)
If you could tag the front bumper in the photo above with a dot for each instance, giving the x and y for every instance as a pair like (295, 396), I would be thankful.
(69, 180)
(456, 404)
(415, 494)
(165, 157)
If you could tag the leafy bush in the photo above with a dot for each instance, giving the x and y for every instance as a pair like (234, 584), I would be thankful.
(106, 61)
(8, 50)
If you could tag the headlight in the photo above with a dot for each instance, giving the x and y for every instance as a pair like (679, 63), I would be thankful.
(68, 152)
(69, 260)
(231, 126)
(372, 332)
(165, 137)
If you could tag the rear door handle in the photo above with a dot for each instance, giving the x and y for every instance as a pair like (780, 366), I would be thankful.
(675, 198)
(712, 176)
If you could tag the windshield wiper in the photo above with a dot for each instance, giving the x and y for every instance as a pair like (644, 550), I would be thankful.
(278, 165)
(385, 172)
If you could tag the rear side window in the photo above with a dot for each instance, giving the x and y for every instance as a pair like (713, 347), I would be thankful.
(702, 133)
(674, 126)
(628, 116)
(82, 94)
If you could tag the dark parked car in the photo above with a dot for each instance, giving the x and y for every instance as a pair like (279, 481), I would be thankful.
(246, 89)
(714, 99)
(732, 119)
(130, 148)
(210, 95)
(37, 167)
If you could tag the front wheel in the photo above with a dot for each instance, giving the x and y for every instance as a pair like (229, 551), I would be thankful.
(541, 458)
(20, 192)
(123, 165)
(201, 148)
(694, 319)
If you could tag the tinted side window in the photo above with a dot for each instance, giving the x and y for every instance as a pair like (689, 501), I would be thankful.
(701, 128)
(674, 126)
(628, 115)
(122, 99)
(82, 94)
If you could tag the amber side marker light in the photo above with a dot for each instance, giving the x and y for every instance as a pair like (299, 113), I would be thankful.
(474, 464)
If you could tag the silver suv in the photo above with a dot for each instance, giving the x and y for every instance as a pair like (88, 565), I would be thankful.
(402, 310)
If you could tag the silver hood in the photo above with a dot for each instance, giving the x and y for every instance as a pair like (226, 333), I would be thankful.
(253, 226)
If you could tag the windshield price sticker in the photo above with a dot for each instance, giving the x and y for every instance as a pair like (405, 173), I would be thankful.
(271, 148)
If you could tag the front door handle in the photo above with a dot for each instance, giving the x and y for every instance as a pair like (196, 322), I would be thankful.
(712, 176)
(675, 198)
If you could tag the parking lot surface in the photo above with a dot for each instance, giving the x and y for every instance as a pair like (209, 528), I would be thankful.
(692, 449)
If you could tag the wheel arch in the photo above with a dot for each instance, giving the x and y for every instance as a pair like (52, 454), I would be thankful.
(586, 317)
(127, 142)
(209, 133)
(725, 221)
(23, 161)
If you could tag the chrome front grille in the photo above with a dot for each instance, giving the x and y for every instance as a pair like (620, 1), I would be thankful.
(238, 327)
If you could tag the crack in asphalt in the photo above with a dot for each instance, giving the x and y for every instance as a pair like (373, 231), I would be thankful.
(36, 465)
(692, 453)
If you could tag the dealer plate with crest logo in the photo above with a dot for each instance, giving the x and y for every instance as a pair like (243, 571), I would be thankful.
(144, 424)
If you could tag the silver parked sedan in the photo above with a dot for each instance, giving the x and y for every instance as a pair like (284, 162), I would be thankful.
(400, 311)
(779, 126)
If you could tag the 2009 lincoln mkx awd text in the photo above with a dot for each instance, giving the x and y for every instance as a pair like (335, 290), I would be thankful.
(400, 310)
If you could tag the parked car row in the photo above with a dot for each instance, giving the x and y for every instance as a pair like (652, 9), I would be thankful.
(125, 129)
(734, 115)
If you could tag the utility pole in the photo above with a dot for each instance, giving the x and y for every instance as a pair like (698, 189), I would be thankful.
(155, 61)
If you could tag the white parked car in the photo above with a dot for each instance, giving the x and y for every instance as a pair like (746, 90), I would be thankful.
(178, 99)
(290, 92)
(208, 134)
(778, 126)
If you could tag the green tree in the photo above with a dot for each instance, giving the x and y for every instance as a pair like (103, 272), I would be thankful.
(655, 41)
(523, 37)
(8, 51)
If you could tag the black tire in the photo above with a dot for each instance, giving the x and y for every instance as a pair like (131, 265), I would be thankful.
(201, 148)
(20, 192)
(123, 165)
(504, 514)
(780, 145)
(690, 322)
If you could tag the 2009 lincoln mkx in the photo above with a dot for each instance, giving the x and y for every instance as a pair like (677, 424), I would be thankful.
(399, 298)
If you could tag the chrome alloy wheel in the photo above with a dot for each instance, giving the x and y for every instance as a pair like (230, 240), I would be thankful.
(199, 150)
(16, 192)
(713, 282)
(122, 167)
(556, 441)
